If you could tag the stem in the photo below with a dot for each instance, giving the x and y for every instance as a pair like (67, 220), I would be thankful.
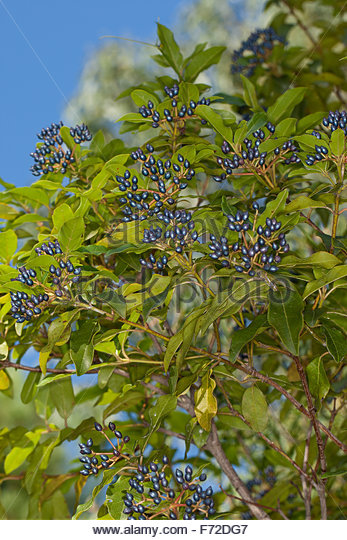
(214, 446)
(320, 484)
(305, 488)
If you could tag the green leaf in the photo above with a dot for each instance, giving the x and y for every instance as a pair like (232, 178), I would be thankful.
(201, 61)
(215, 120)
(337, 144)
(163, 407)
(16, 457)
(8, 245)
(114, 300)
(285, 316)
(18, 454)
(309, 121)
(241, 337)
(302, 202)
(249, 93)
(254, 408)
(62, 395)
(286, 127)
(340, 472)
(169, 48)
(81, 346)
(142, 97)
(205, 402)
(317, 379)
(106, 479)
(336, 342)
(29, 388)
(230, 301)
(189, 430)
(61, 215)
(71, 234)
(322, 259)
(115, 496)
(285, 104)
(334, 274)
(184, 383)
(3, 351)
(200, 436)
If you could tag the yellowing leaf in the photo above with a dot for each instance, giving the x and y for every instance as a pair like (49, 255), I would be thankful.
(205, 402)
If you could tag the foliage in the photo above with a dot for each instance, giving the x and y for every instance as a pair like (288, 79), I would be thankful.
(193, 288)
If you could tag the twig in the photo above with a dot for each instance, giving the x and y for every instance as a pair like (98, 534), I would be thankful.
(305, 488)
(320, 484)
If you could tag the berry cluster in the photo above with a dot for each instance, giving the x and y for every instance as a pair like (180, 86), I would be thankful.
(258, 248)
(183, 112)
(170, 178)
(260, 485)
(259, 44)
(160, 492)
(179, 232)
(51, 155)
(93, 461)
(59, 275)
(336, 120)
(249, 156)
(24, 308)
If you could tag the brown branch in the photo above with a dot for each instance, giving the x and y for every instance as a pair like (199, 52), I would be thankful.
(320, 484)
(254, 373)
(306, 490)
(249, 502)
(214, 446)
(302, 25)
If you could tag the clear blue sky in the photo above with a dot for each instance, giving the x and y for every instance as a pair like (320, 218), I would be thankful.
(44, 46)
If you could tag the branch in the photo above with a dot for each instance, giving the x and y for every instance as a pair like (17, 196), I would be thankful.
(254, 503)
(305, 489)
(254, 373)
(214, 446)
(323, 465)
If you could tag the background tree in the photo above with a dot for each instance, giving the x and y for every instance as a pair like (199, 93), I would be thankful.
(191, 293)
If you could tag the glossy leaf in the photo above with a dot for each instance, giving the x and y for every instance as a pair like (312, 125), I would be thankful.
(205, 402)
(255, 408)
(285, 316)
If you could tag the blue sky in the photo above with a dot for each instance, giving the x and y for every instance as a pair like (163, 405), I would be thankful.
(44, 46)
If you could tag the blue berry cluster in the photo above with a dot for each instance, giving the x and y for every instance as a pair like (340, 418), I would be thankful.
(336, 120)
(64, 272)
(250, 157)
(320, 154)
(177, 232)
(260, 486)
(94, 461)
(169, 178)
(24, 308)
(51, 155)
(176, 113)
(159, 492)
(254, 50)
(258, 248)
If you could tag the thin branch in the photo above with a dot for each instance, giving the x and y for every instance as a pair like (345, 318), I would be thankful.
(305, 488)
(320, 484)
(249, 502)
(214, 446)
